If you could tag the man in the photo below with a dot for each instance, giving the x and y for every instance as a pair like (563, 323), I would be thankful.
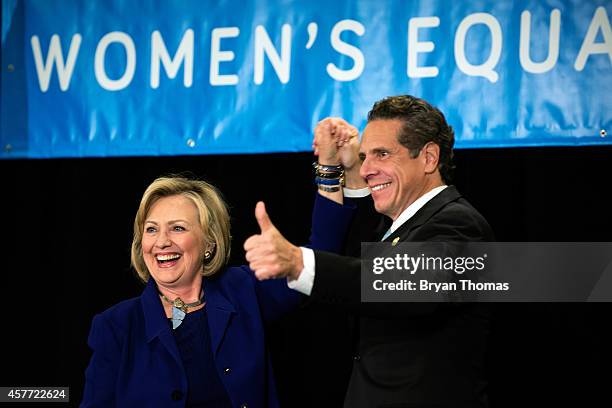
(406, 354)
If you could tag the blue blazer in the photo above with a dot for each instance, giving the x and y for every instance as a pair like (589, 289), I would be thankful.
(136, 362)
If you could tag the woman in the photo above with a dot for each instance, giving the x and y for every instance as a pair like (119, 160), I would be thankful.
(195, 337)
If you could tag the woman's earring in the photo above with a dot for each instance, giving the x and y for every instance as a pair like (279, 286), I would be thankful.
(207, 255)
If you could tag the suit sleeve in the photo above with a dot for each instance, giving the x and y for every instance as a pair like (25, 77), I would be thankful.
(367, 225)
(330, 224)
(101, 373)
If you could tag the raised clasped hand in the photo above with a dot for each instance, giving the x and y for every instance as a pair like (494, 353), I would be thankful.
(336, 142)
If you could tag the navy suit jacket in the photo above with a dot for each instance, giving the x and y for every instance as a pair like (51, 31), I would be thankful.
(413, 354)
(136, 362)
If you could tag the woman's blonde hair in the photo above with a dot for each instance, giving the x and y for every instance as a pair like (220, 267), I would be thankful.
(212, 213)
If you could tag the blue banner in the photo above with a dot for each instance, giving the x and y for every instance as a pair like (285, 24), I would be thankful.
(124, 78)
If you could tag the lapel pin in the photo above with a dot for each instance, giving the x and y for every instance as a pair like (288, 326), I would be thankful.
(395, 241)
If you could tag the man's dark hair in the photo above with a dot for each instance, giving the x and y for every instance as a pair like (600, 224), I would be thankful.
(423, 123)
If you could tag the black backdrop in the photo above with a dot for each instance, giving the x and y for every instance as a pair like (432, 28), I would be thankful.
(67, 233)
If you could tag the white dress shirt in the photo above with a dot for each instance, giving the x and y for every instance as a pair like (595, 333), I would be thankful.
(305, 281)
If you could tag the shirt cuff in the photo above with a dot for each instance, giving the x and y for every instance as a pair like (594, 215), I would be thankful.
(356, 193)
(305, 281)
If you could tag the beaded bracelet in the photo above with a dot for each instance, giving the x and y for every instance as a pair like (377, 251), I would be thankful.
(327, 168)
(329, 175)
(329, 189)
(328, 182)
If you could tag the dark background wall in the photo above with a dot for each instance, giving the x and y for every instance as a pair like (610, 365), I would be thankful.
(66, 234)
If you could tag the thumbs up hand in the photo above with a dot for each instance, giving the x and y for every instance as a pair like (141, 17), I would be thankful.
(263, 219)
(269, 254)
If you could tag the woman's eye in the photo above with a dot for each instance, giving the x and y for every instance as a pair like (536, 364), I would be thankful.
(150, 230)
(179, 228)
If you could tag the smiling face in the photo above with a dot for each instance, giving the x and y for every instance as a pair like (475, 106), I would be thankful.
(172, 242)
(395, 179)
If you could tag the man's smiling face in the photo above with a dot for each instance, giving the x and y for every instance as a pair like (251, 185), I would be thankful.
(395, 179)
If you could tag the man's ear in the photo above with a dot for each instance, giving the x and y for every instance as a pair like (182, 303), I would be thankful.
(431, 154)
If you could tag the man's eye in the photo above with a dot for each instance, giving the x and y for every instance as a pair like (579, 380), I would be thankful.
(383, 154)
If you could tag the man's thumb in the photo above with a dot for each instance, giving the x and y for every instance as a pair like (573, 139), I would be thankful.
(262, 217)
